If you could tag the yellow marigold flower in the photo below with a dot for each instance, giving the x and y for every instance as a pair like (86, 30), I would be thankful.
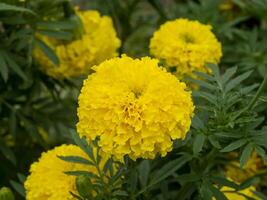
(135, 107)
(47, 179)
(231, 194)
(239, 175)
(99, 42)
(186, 45)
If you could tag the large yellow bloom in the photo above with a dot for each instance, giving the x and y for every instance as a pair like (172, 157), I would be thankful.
(99, 42)
(135, 107)
(186, 45)
(47, 180)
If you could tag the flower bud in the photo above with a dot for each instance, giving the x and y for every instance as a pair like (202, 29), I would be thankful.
(84, 186)
(6, 194)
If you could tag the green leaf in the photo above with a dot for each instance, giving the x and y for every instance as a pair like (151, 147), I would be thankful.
(185, 178)
(229, 73)
(144, 170)
(56, 25)
(236, 81)
(205, 95)
(217, 193)
(48, 51)
(213, 140)
(7, 7)
(234, 145)
(246, 154)
(81, 142)
(249, 182)
(197, 123)
(80, 173)
(22, 178)
(205, 192)
(202, 84)
(224, 182)
(8, 153)
(60, 35)
(260, 151)
(76, 159)
(120, 193)
(14, 66)
(198, 143)
(3, 67)
(18, 187)
(169, 169)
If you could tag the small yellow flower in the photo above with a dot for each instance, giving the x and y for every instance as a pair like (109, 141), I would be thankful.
(239, 175)
(186, 45)
(47, 179)
(135, 107)
(98, 42)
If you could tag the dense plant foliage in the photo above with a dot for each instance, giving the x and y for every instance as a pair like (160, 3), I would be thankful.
(132, 139)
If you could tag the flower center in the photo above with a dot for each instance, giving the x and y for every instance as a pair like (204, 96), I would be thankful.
(187, 38)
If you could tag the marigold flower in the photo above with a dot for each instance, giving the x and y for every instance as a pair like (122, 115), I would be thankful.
(47, 179)
(186, 45)
(135, 107)
(98, 42)
(239, 175)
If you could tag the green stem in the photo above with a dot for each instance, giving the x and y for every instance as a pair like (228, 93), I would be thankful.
(254, 99)
(257, 95)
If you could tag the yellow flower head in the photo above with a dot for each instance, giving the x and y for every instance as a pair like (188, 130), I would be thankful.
(47, 179)
(135, 107)
(186, 45)
(253, 165)
(98, 42)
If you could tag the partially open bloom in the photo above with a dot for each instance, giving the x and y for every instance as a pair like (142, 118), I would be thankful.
(47, 179)
(239, 175)
(135, 107)
(98, 42)
(186, 45)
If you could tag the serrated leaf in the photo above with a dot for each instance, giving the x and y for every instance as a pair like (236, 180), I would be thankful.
(80, 173)
(261, 152)
(60, 35)
(246, 154)
(56, 25)
(76, 159)
(48, 51)
(229, 73)
(7, 7)
(198, 143)
(144, 170)
(14, 66)
(217, 193)
(205, 95)
(197, 123)
(18, 187)
(234, 145)
(224, 182)
(81, 142)
(236, 81)
(213, 140)
(168, 169)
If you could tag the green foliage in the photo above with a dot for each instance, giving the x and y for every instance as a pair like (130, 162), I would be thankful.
(38, 112)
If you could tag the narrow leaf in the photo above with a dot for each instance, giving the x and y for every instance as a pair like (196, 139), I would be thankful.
(234, 145)
(198, 143)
